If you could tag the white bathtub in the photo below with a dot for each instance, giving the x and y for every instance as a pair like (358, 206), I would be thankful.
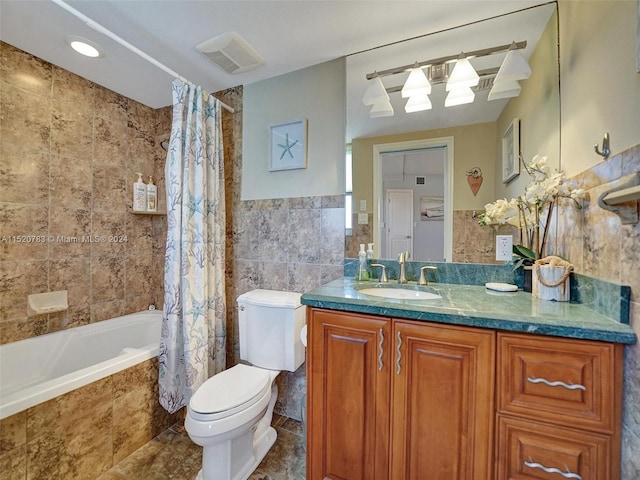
(38, 369)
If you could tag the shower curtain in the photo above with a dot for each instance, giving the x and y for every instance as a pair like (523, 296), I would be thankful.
(192, 345)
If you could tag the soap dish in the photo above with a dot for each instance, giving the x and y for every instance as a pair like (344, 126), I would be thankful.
(501, 287)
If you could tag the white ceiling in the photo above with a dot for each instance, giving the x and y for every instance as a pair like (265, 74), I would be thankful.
(290, 35)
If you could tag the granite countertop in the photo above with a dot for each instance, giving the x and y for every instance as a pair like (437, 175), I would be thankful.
(474, 305)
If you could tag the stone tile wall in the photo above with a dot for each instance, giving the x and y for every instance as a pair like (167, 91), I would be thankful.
(85, 432)
(69, 151)
(293, 244)
(599, 245)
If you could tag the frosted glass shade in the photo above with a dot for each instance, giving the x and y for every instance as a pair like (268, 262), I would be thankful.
(381, 109)
(504, 90)
(375, 92)
(416, 84)
(513, 68)
(417, 103)
(463, 75)
(459, 96)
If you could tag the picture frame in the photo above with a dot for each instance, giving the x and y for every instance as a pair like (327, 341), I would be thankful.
(431, 209)
(288, 145)
(511, 151)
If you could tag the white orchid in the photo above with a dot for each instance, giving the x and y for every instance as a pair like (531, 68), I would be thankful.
(532, 211)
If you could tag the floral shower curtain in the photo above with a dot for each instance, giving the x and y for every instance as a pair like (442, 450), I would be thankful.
(192, 346)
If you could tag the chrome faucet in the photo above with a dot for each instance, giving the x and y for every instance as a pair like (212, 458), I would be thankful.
(383, 272)
(423, 278)
(402, 259)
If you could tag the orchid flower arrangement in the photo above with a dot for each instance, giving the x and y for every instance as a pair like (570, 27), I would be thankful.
(531, 212)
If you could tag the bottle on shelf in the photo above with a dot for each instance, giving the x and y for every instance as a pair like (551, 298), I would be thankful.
(139, 195)
(152, 196)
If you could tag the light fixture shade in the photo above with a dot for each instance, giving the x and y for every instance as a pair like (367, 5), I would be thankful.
(463, 75)
(513, 68)
(381, 109)
(417, 103)
(459, 96)
(375, 92)
(416, 84)
(504, 90)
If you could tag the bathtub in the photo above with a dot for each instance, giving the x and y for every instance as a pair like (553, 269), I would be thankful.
(38, 369)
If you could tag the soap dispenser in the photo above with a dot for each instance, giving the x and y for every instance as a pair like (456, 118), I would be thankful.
(152, 196)
(139, 195)
(369, 251)
(362, 273)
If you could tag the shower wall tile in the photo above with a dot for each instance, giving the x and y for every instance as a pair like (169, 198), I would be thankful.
(21, 168)
(69, 151)
(22, 70)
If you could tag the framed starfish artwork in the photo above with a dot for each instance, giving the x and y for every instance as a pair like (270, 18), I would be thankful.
(288, 145)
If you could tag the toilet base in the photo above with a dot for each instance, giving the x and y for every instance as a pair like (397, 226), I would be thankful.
(262, 443)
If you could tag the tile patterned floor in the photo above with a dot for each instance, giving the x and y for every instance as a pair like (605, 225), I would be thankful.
(172, 455)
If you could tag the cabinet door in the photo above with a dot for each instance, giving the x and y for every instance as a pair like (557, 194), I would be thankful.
(348, 375)
(535, 451)
(442, 416)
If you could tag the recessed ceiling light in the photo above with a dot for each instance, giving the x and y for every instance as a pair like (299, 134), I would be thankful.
(85, 47)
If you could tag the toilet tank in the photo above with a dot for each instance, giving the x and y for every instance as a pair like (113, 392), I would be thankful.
(270, 322)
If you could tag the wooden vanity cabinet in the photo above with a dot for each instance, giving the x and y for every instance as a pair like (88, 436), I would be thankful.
(394, 399)
(559, 408)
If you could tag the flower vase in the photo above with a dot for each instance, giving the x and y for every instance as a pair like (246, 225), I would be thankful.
(551, 283)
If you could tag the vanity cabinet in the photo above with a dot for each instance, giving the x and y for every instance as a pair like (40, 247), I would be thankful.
(558, 408)
(395, 399)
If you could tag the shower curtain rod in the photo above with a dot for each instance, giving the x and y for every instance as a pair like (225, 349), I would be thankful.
(96, 26)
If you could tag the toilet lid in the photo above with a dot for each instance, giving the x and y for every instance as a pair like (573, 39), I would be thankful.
(230, 391)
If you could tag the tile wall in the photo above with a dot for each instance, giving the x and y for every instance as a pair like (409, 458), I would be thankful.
(599, 245)
(85, 432)
(70, 150)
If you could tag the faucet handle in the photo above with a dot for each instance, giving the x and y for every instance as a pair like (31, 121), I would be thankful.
(383, 272)
(423, 280)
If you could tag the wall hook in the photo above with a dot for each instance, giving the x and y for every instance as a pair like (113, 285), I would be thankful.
(605, 147)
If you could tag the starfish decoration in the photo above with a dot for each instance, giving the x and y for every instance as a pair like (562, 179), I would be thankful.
(286, 147)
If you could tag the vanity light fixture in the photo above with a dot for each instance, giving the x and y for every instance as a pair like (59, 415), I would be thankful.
(459, 96)
(463, 75)
(85, 47)
(461, 83)
(514, 66)
(504, 90)
(381, 109)
(375, 93)
(418, 103)
(416, 84)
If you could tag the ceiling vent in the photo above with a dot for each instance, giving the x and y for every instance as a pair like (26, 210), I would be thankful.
(421, 180)
(231, 53)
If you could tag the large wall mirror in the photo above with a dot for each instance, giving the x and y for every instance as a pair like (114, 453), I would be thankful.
(413, 173)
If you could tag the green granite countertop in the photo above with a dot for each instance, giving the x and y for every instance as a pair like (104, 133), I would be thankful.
(476, 306)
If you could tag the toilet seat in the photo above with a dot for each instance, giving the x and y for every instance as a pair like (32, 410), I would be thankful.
(229, 392)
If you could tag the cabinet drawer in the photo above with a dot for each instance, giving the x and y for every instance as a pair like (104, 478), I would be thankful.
(569, 382)
(527, 450)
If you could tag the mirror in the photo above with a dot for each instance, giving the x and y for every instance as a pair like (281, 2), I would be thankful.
(461, 146)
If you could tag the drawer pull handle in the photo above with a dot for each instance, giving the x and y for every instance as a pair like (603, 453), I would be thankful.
(567, 474)
(568, 386)
(380, 351)
(399, 354)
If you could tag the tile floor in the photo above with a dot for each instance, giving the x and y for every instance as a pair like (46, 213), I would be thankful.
(172, 455)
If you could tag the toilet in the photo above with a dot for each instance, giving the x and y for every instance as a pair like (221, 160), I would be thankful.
(230, 414)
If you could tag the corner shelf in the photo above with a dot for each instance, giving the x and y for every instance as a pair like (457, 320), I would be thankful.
(148, 213)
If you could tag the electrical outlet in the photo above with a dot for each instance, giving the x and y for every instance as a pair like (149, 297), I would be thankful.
(504, 247)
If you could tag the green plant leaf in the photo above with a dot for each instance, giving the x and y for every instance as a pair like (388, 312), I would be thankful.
(524, 252)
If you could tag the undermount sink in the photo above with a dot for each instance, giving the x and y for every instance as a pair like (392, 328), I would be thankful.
(400, 293)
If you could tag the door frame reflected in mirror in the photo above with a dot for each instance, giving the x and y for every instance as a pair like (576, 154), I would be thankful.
(378, 208)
